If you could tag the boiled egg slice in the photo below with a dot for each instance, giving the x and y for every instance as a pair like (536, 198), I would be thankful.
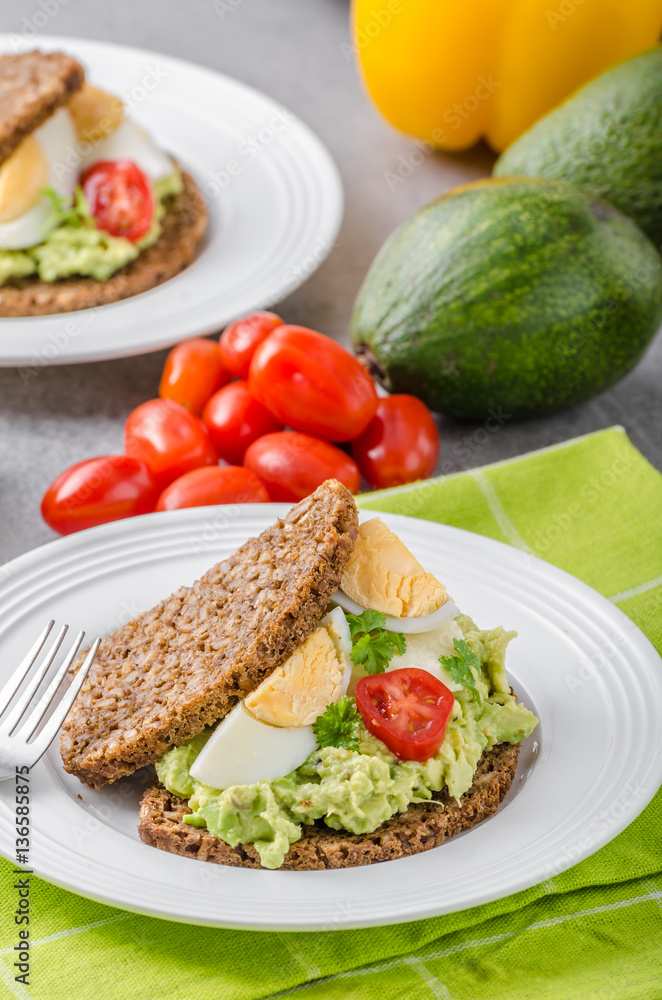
(243, 751)
(269, 733)
(95, 113)
(129, 142)
(47, 158)
(383, 575)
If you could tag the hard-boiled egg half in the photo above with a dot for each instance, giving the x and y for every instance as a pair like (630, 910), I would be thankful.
(46, 158)
(91, 127)
(383, 575)
(269, 733)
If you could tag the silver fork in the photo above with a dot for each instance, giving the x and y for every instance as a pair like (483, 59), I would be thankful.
(15, 748)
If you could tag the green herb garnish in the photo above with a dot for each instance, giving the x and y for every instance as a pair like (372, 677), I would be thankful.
(373, 647)
(459, 668)
(65, 212)
(338, 726)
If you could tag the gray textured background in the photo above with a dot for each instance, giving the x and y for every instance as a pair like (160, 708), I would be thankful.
(296, 51)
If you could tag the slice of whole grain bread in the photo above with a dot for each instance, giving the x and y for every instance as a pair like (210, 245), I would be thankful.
(32, 86)
(167, 674)
(423, 826)
(184, 227)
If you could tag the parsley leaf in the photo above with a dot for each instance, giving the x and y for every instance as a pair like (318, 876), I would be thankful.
(373, 647)
(338, 726)
(459, 667)
(64, 211)
(365, 622)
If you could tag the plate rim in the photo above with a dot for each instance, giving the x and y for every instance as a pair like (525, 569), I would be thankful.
(266, 512)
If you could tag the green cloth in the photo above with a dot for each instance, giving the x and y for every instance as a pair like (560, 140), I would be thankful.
(592, 506)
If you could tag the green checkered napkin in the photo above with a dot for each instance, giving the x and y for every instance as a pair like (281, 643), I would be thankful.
(594, 507)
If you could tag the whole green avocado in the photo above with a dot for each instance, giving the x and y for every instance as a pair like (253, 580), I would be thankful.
(522, 294)
(606, 139)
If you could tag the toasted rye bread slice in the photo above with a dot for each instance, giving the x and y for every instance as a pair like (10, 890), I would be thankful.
(184, 226)
(181, 666)
(32, 86)
(423, 826)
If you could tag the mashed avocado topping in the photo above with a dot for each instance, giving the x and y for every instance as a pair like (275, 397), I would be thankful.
(357, 790)
(76, 246)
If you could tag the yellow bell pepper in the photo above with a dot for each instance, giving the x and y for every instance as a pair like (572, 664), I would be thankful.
(453, 71)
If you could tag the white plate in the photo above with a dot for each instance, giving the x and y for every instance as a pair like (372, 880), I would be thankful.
(590, 767)
(271, 224)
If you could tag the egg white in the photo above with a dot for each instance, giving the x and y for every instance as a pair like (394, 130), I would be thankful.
(408, 626)
(423, 651)
(130, 142)
(243, 750)
(57, 138)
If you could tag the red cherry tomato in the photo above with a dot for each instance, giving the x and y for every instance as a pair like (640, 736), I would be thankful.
(213, 485)
(193, 372)
(240, 339)
(169, 438)
(97, 490)
(399, 445)
(234, 420)
(313, 384)
(292, 465)
(407, 709)
(120, 197)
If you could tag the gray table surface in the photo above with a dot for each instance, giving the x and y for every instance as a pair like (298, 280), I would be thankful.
(296, 51)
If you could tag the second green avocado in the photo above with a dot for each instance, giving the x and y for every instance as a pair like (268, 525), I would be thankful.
(606, 139)
(520, 294)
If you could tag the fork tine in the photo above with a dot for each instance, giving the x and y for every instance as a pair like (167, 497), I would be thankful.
(39, 712)
(17, 678)
(14, 717)
(54, 724)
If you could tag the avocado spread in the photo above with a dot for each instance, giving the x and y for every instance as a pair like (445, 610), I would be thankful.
(357, 790)
(83, 249)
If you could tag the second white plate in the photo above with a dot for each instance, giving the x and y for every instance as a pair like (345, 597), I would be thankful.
(273, 195)
(590, 767)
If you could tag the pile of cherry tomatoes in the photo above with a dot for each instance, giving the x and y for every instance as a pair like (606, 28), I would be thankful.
(232, 401)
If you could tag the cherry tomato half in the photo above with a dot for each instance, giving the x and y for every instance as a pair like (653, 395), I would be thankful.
(234, 420)
(399, 445)
(97, 490)
(120, 197)
(212, 485)
(292, 465)
(169, 438)
(240, 339)
(407, 709)
(192, 373)
(313, 384)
